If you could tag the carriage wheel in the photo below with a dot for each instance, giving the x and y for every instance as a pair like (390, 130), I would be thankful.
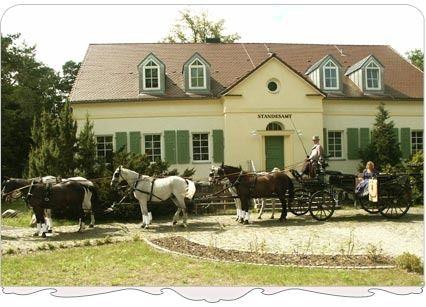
(300, 205)
(394, 204)
(321, 206)
(369, 206)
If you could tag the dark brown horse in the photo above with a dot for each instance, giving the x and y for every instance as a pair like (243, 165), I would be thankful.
(64, 194)
(250, 185)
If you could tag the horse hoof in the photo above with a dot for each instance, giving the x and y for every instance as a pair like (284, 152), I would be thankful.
(259, 217)
(35, 234)
(143, 226)
(246, 222)
(241, 221)
(174, 223)
(43, 235)
(50, 231)
(91, 226)
(146, 227)
(272, 217)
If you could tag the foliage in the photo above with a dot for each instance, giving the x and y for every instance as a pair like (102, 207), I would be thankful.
(27, 88)
(86, 160)
(384, 148)
(416, 58)
(67, 141)
(44, 155)
(197, 29)
(410, 262)
(414, 166)
(69, 73)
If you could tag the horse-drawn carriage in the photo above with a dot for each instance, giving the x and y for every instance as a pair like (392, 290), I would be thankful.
(320, 195)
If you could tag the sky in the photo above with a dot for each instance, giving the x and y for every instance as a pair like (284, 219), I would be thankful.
(63, 33)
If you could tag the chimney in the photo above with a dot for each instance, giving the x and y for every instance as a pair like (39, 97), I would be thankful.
(213, 40)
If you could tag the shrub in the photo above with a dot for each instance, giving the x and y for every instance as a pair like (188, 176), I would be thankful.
(410, 262)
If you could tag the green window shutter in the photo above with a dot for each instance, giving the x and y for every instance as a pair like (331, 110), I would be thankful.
(135, 142)
(353, 143)
(395, 132)
(121, 141)
(170, 146)
(218, 146)
(364, 137)
(182, 137)
(406, 142)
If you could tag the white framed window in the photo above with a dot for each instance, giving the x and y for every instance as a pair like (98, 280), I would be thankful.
(197, 75)
(334, 144)
(151, 76)
(416, 141)
(331, 76)
(153, 146)
(200, 146)
(372, 73)
(104, 147)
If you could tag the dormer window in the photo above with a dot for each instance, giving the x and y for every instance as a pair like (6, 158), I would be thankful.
(325, 74)
(152, 76)
(151, 73)
(331, 79)
(197, 75)
(372, 76)
(367, 74)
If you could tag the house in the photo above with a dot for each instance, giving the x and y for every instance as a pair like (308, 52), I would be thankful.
(198, 104)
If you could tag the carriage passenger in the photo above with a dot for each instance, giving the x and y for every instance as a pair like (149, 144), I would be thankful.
(369, 172)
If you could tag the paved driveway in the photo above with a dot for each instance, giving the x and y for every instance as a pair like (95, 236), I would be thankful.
(349, 231)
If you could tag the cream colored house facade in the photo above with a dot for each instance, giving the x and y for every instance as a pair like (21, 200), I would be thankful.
(249, 121)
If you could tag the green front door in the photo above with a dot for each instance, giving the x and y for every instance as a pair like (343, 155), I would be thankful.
(274, 152)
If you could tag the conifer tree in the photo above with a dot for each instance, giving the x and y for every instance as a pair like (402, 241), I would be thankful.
(384, 148)
(44, 153)
(67, 141)
(86, 153)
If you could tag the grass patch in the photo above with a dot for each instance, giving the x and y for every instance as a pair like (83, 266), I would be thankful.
(136, 264)
(410, 262)
(23, 218)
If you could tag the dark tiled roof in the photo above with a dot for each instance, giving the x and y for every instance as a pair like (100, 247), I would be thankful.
(357, 65)
(109, 71)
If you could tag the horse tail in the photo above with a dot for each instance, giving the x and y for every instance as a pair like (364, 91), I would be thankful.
(190, 189)
(290, 190)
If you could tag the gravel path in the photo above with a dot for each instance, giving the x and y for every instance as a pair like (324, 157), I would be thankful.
(349, 231)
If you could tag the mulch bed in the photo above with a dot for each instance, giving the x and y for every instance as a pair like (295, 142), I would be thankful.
(184, 246)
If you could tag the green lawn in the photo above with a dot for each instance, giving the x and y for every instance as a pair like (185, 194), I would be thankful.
(136, 264)
(23, 218)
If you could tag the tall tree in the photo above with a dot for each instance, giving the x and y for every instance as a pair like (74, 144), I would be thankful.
(67, 141)
(86, 152)
(27, 87)
(69, 73)
(193, 28)
(384, 148)
(416, 57)
(44, 154)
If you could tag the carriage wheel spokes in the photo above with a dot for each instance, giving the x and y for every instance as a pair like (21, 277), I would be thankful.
(300, 205)
(322, 205)
(369, 206)
(394, 204)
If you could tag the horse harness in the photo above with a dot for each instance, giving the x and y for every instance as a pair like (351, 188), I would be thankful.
(151, 194)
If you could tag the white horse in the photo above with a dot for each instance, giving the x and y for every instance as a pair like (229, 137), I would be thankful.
(241, 215)
(147, 188)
